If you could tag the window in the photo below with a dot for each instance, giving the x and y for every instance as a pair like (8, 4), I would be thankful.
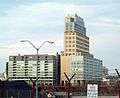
(73, 53)
(73, 41)
(45, 57)
(22, 58)
(66, 24)
(71, 19)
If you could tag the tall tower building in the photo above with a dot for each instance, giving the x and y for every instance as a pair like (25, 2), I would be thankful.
(75, 39)
(75, 57)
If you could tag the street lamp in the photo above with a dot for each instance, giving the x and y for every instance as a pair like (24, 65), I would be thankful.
(37, 49)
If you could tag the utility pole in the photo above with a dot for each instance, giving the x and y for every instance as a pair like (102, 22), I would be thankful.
(118, 80)
(69, 80)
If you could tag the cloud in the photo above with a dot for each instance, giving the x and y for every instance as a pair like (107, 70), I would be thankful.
(106, 47)
(45, 21)
(2, 13)
(104, 25)
(111, 21)
(36, 18)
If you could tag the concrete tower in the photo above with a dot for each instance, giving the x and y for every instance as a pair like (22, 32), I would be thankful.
(75, 39)
(76, 47)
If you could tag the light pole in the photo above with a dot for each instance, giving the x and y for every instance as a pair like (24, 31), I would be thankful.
(118, 81)
(69, 81)
(37, 50)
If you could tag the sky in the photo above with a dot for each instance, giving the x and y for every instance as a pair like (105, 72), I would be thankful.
(41, 20)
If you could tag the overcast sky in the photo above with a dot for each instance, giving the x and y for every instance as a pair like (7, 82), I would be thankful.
(40, 20)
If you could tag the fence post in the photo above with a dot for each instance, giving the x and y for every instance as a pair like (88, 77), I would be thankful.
(30, 93)
(18, 93)
(118, 84)
(7, 93)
